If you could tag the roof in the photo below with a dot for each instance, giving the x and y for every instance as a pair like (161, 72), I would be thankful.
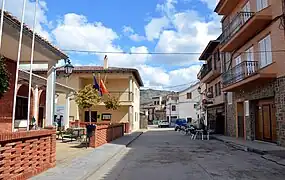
(100, 69)
(219, 5)
(209, 49)
(12, 20)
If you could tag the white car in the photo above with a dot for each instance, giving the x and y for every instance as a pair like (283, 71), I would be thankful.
(163, 123)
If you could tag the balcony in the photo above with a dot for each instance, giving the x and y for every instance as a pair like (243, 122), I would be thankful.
(225, 7)
(125, 98)
(208, 74)
(244, 26)
(247, 74)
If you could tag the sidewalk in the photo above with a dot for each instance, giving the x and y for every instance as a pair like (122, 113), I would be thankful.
(269, 151)
(83, 167)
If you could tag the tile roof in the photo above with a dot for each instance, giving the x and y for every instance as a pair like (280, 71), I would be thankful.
(12, 20)
(100, 69)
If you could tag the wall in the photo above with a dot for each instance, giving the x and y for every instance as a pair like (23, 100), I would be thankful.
(105, 134)
(6, 102)
(136, 106)
(169, 111)
(186, 106)
(25, 154)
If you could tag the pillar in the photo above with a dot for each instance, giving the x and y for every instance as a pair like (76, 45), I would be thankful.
(66, 111)
(36, 103)
(50, 95)
(131, 88)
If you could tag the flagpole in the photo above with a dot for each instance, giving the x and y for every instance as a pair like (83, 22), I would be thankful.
(1, 21)
(18, 62)
(31, 64)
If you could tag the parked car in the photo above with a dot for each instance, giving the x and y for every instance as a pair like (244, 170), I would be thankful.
(179, 123)
(163, 123)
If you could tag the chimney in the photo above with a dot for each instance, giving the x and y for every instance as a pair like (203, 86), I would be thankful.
(105, 62)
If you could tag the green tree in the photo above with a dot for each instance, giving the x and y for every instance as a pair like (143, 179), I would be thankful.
(112, 102)
(87, 98)
(4, 77)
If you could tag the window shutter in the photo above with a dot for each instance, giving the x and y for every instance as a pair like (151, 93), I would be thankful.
(268, 50)
(262, 53)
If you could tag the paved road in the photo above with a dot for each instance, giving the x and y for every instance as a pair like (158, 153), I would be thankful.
(166, 154)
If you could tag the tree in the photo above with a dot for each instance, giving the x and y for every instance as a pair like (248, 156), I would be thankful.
(112, 102)
(4, 77)
(87, 98)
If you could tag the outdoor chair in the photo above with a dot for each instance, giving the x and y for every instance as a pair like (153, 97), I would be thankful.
(69, 133)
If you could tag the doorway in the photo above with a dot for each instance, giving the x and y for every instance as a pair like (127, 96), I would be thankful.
(220, 123)
(266, 121)
(240, 120)
(41, 117)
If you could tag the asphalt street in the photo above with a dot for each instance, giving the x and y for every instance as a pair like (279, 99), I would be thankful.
(166, 154)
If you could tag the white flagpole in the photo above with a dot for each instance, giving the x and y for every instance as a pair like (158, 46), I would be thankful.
(18, 62)
(1, 21)
(31, 64)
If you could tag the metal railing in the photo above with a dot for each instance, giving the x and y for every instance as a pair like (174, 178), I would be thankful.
(234, 25)
(123, 96)
(240, 72)
(205, 69)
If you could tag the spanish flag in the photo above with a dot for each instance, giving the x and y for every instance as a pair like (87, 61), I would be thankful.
(103, 87)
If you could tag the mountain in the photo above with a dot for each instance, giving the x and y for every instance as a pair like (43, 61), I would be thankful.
(147, 94)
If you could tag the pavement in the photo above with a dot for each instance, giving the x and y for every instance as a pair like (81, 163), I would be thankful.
(80, 164)
(269, 151)
(166, 154)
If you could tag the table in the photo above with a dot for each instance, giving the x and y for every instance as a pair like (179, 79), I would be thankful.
(79, 131)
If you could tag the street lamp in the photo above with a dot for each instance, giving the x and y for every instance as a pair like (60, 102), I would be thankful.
(68, 68)
(199, 90)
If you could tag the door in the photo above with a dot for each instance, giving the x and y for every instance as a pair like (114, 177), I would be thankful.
(41, 117)
(266, 122)
(246, 12)
(238, 68)
(250, 65)
(240, 119)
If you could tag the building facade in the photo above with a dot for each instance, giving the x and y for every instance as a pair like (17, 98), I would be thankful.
(214, 98)
(188, 100)
(252, 49)
(123, 83)
(172, 107)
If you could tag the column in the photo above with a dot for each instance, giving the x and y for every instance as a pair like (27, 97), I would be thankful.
(36, 103)
(66, 113)
(50, 95)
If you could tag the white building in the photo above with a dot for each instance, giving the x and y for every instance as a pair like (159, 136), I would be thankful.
(172, 108)
(189, 100)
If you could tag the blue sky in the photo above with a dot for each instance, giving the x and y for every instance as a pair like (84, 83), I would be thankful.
(130, 26)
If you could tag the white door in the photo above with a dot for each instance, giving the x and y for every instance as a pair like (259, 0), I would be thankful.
(261, 4)
(246, 12)
(250, 64)
(238, 69)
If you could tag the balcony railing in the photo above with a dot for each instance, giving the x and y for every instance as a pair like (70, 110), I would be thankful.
(123, 95)
(239, 72)
(235, 24)
(205, 69)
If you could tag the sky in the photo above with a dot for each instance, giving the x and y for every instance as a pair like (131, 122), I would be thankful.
(167, 26)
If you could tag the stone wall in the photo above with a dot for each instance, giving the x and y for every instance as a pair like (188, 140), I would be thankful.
(231, 119)
(280, 110)
(25, 154)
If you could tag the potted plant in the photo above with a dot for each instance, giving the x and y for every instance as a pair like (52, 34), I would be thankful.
(111, 102)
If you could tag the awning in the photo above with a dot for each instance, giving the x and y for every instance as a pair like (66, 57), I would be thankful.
(41, 81)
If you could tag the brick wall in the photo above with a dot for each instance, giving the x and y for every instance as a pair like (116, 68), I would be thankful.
(6, 102)
(106, 133)
(25, 154)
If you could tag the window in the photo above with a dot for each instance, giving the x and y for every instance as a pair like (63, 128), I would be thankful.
(173, 108)
(216, 90)
(189, 95)
(230, 97)
(265, 51)
(261, 4)
(219, 88)
(93, 116)
(154, 102)
(189, 120)
(21, 108)
(106, 117)
(246, 108)
(210, 89)
(195, 106)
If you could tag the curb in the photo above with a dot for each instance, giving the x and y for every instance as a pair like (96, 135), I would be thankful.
(129, 143)
(241, 147)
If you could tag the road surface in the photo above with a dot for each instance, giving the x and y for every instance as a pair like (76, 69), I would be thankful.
(166, 154)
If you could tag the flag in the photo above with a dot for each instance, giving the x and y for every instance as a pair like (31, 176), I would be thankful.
(103, 87)
(96, 85)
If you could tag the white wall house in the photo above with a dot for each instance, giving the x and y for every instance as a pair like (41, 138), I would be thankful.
(172, 108)
(189, 99)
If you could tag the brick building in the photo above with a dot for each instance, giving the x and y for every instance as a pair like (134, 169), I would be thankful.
(252, 49)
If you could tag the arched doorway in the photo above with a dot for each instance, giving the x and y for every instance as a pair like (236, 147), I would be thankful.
(42, 104)
(21, 113)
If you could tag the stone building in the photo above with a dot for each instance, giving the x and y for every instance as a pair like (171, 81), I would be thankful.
(252, 49)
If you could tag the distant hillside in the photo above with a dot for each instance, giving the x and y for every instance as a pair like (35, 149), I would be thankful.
(147, 94)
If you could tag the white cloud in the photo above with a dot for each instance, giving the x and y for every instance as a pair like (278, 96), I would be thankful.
(155, 27)
(15, 7)
(210, 3)
(129, 31)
